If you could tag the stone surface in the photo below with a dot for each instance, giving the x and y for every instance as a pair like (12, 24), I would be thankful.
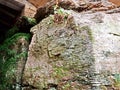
(76, 49)
(36, 6)
(105, 31)
(70, 52)
(59, 54)
(77, 5)
(106, 42)
(38, 3)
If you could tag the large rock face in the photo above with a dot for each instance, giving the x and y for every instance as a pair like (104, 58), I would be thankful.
(59, 55)
(106, 44)
(64, 55)
(105, 31)
(106, 36)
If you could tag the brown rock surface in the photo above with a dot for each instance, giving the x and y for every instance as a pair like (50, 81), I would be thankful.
(30, 9)
(44, 7)
(48, 8)
(76, 5)
(59, 55)
(116, 2)
(38, 3)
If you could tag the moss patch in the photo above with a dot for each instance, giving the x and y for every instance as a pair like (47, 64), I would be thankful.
(8, 59)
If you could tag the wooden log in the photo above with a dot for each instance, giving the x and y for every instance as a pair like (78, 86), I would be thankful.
(10, 11)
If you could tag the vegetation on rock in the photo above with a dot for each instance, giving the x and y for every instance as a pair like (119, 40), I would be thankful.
(9, 56)
(11, 51)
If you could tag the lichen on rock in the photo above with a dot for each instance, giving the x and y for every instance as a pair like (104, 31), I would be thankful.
(59, 54)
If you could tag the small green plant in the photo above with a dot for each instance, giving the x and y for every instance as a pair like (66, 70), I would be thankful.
(30, 21)
(66, 86)
(51, 20)
(60, 15)
(59, 73)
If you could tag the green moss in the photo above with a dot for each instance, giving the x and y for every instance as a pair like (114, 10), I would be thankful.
(61, 11)
(12, 31)
(30, 21)
(8, 60)
(59, 72)
(116, 82)
(51, 20)
(59, 17)
(15, 37)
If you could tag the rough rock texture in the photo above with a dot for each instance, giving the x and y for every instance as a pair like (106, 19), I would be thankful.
(42, 7)
(105, 31)
(59, 55)
(76, 5)
(107, 43)
(66, 54)
(48, 8)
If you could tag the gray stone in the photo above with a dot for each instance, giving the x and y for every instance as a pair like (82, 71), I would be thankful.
(74, 51)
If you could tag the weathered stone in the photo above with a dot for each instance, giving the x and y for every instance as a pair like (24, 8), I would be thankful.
(59, 54)
(48, 8)
(105, 31)
(77, 5)
(81, 48)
